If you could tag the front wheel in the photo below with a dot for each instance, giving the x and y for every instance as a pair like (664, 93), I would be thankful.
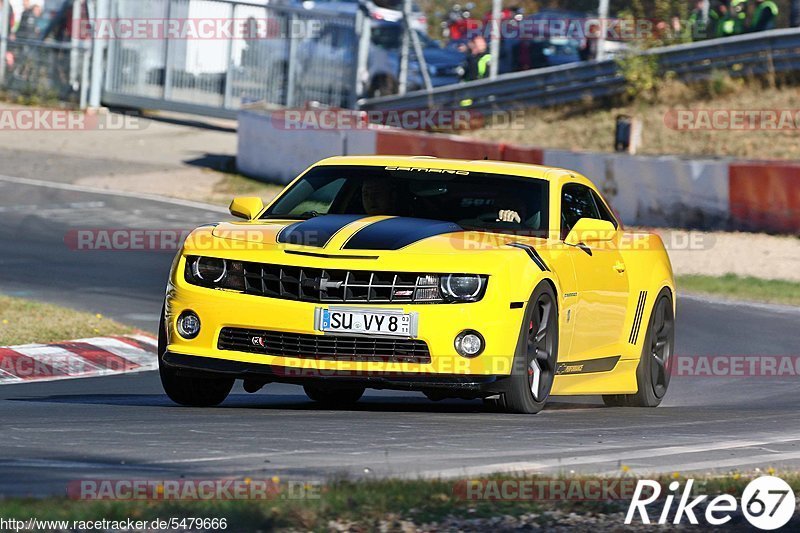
(189, 391)
(537, 353)
(654, 370)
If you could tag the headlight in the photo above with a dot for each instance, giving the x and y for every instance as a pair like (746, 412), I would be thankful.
(462, 287)
(210, 269)
(215, 273)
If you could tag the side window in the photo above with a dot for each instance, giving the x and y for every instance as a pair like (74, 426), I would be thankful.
(605, 214)
(576, 203)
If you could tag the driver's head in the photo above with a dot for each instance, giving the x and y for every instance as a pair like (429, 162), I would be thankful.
(377, 197)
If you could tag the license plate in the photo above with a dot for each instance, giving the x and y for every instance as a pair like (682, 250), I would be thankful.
(367, 322)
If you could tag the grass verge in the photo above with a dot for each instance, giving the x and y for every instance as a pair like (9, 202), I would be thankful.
(742, 288)
(394, 505)
(591, 126)
(25, 321)
(232, 185)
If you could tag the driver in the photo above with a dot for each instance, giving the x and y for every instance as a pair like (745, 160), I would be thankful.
(377, 197)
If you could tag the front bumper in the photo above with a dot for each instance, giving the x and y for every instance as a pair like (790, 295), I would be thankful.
(439, 324)
(190, 365)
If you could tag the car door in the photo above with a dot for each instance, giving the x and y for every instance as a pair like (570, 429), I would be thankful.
(601, 279)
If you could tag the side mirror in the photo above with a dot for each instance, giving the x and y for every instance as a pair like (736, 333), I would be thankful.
(246, 207)
(588, 230)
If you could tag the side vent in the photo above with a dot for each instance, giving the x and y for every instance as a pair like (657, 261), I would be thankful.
(637, 319)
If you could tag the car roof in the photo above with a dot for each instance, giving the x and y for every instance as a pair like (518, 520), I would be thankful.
(524, 170)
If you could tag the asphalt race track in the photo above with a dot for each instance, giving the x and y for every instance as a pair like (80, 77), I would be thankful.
(125, 427)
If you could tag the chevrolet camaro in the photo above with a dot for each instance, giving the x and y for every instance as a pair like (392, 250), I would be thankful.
(460, 279)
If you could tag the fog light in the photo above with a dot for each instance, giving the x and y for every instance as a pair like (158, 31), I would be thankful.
(188, 325)
(469, 343)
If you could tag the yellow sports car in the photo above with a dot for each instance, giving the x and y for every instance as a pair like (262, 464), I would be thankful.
(465, 279)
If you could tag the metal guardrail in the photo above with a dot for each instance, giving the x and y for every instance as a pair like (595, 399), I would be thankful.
(760, 53)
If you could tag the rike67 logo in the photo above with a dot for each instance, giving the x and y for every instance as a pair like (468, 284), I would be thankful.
(767, 502)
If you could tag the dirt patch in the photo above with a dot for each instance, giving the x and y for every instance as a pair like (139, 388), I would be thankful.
(744, 254)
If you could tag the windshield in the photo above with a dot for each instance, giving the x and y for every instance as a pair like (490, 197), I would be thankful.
(473, 200)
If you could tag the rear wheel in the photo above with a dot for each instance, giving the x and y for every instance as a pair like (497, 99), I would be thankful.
(654, 370)
(189, 391)
(334, 396)
(537, 353)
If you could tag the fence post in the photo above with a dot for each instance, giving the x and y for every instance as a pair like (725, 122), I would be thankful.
(167, 93)
(364, 33)
(227, 96)
(98, 50)
(291, 68)
(4, 19)
(75, 43)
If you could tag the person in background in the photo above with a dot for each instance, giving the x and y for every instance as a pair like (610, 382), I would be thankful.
(28, 21)
(764, 16)
(478, 59)
(732, 21)
(697, 29)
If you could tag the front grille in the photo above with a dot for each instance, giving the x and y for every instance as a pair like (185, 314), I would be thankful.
(333, 347)
(338, 286)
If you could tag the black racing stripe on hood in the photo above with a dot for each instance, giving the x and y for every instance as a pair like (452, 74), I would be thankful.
(315, 231)
(396, 233)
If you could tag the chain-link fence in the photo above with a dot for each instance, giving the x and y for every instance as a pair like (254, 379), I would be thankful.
(215, 56)
(45, 72)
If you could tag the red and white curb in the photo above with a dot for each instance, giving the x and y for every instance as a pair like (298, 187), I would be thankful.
(99, 356)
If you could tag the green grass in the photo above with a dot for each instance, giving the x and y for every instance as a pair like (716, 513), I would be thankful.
(364, 505)
(25, 321)
(231, 185)
(742, 288)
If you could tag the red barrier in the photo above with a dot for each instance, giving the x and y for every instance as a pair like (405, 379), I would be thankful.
(521, 154)
(395, 142)
(437, 145)
(765, 196)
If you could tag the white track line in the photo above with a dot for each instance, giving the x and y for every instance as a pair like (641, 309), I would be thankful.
(109, 192)
(767, 459)
(619, 456)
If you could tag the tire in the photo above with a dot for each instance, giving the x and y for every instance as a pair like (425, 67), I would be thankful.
(334, 396)
(654, 369)
(537, 354)
(189, 391)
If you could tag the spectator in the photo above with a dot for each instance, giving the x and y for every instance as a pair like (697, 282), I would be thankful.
(29, 21)
(478, 59)
(697, 27)
(733, 20)
(764, 16)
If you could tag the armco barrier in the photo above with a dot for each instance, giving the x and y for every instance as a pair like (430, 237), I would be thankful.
(662, 191)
